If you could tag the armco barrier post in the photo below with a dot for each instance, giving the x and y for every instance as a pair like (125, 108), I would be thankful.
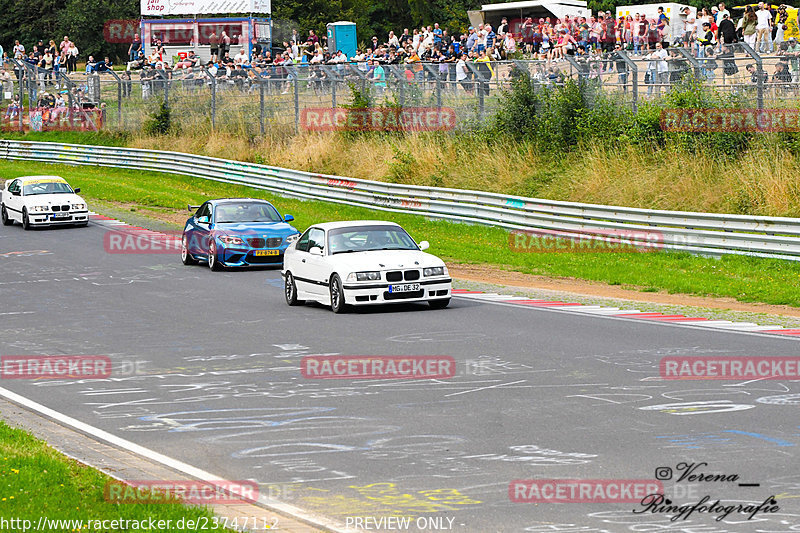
(296, 105)
(261, 103)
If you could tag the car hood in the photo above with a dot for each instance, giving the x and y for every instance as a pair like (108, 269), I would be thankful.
(384, 260)
(277, 229)
(53, 199)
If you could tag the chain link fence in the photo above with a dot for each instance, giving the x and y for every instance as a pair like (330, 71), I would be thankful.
(290, 98)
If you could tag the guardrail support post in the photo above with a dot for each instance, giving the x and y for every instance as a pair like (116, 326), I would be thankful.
(261, 104)
(296, 105)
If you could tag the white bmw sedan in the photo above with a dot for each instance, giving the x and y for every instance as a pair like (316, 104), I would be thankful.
(361, 263)
(42, 201)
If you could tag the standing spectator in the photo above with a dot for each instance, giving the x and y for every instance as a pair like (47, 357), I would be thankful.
(462, 73)
(764, 29)
(133, 49)
(378, 76)
(780, 27)
(749, 26)
(726, 30)
(437, 34)
(722, 12)
(224, 43)
(64, 46)
(19, 51)
(213, 41)
(72, 57)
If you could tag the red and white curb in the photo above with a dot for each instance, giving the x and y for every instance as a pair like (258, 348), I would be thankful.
(632, 314)
(118, 225)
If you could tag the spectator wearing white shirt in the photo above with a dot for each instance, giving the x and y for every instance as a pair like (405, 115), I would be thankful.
(722, 12)
(763, 29)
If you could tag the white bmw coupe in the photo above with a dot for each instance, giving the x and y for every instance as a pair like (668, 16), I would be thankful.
(361, 263)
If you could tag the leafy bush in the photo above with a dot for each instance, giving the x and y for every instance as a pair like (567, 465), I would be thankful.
(160, 122)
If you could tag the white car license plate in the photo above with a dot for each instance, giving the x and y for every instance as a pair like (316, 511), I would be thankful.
(406, 287)
(60, 215)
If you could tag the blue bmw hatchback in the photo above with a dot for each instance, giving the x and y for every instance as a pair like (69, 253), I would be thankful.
(236, 232)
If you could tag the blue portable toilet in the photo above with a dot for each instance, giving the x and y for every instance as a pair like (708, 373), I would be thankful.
(342, 36)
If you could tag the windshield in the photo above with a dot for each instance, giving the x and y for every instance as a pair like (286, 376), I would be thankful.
(46, 187)
(246, 212)
(368, 238)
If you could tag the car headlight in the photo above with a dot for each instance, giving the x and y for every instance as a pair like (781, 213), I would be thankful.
(434, 271)
(230, 240)
(364, 276)
(40, 208)
(292, 238)
(79, 206)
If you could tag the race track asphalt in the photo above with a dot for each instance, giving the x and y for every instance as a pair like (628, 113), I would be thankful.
(537, 394)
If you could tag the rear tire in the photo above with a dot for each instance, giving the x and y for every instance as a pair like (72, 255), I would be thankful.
(186, 257)
(4, 216)
(213, 264)
(439, 304)
(290, 290)
(337, 295)
(26, 223)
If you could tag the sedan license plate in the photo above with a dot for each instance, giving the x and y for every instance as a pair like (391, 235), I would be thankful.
(405, 287)
(60, 215)
(266, 252)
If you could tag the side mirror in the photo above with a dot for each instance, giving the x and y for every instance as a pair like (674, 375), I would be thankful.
(315, 250)
(17, 193)
(77, 190)
(202, 220)
(288, 218)
(193, 207)
(424, 245)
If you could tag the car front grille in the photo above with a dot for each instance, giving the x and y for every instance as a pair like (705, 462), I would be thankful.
(403, 295)
(411, 275)
(274, 242)
(257, 242)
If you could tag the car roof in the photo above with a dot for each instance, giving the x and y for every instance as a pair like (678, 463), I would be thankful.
(31, 178)
(225, 200)
(353, 223)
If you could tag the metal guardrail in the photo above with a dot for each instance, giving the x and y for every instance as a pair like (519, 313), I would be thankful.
(699, 233)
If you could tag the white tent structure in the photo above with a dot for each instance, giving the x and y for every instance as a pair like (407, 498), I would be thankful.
(517, 12)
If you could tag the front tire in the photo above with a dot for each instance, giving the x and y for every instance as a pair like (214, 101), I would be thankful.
(337, 295)
(439, 304)
(4, 216)
(186, 257)
(26, 223)
(290, 290)
(213, 263)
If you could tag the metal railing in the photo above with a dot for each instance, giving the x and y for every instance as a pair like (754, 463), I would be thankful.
(256, 100)
(699, 233)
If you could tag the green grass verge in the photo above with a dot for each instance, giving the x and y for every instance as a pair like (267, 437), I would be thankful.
(37, 481)
(746, 279)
